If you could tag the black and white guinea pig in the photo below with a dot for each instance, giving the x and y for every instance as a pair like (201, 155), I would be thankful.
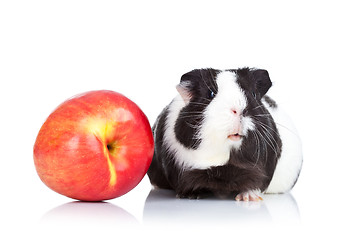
(222, 135)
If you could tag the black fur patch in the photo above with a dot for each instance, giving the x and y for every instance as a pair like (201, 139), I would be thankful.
(156, 171)
(201, 85)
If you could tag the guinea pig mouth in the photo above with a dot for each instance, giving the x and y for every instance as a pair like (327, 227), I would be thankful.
(235, 137)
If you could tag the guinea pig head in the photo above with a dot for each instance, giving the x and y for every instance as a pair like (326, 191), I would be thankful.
(217, 104)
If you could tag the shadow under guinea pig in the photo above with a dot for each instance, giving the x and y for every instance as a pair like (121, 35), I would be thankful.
(162, 207)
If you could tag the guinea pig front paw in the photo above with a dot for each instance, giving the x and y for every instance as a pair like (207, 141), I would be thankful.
(251, 195)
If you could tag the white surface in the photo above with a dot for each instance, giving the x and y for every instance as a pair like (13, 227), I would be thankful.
(52, 50)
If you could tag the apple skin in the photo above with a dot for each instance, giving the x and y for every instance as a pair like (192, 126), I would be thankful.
(95, 146)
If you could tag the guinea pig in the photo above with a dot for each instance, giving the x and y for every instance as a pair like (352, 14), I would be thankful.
(223, 135)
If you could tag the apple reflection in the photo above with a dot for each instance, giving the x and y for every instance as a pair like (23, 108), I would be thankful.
(77, 214)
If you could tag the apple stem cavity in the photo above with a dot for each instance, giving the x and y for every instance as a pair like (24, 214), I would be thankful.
(109, 147)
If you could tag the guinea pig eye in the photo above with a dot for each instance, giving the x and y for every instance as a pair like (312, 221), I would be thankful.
(211, 94)
(254, 94)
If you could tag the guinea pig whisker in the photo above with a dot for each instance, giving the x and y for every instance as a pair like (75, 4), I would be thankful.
(205, 99)
(186, 117)
(191, 125)
(212, 82)
(202, 78)
(272, 143)
(263, 144)
(266, 126)
(262, 115)
(197, 116)
(287, 128)
(200, 104)
(257, 151)
(260, 106)
(271, 140)
(196, 112)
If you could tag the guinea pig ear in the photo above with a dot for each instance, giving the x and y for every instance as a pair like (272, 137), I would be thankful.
(183, 89)
(186, 83)
(263, 82)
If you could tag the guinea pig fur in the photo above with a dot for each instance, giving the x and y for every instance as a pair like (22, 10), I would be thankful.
(222, 135)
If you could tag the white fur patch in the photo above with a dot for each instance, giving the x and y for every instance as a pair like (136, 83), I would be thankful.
(220, 122)
(289, 164)
(201, 158)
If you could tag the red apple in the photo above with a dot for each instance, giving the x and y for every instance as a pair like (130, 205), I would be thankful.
(94, 146)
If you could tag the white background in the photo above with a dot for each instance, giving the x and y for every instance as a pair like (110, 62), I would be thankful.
(52, 50)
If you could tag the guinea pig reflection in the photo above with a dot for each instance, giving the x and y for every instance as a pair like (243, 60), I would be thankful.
(162, 208)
